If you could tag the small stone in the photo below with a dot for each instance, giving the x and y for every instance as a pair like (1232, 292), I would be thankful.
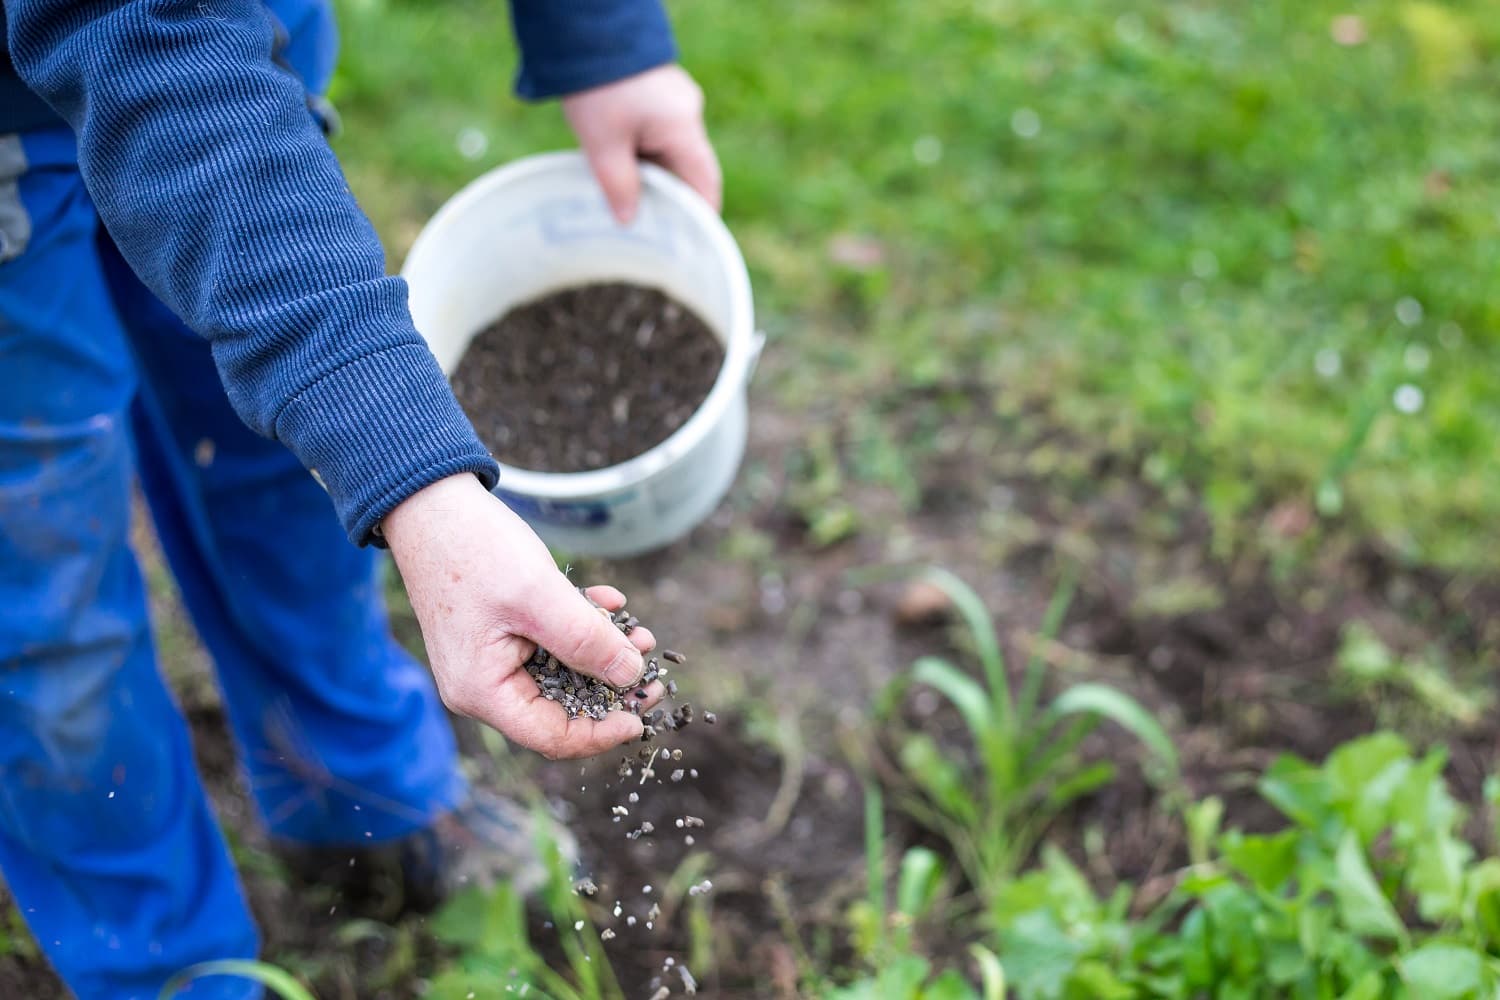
(923, 604)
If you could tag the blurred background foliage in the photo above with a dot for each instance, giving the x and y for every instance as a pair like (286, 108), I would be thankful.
(1252, 244)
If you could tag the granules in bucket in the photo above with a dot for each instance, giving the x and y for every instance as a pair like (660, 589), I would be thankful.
(586, 377)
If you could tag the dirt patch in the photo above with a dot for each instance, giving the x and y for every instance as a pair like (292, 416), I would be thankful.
(587, 377)
(778, 853)
(791, 634)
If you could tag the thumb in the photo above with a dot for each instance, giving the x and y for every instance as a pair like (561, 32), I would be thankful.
(619, 175)
(575, 632)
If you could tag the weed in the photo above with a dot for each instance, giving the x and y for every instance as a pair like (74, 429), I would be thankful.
(1025, 748)
(1369, 893)
(276, 979)
(495, 954)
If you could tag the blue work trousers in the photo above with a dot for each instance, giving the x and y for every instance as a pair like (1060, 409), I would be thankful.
(107, 842)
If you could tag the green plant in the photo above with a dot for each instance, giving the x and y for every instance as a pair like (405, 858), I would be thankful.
(1025, 749)
(885, 938)
(495, 955)
(276, 979)
(1416, 690)
(1369, 893)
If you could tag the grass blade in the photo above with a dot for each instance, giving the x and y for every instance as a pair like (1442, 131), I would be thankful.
(1036, 666)
(875, 860)
(982, 629)
(1125, 711)
(269, 976)
(991, 972)
(962, 690)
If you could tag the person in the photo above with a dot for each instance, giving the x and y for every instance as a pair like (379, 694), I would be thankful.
(192, 300)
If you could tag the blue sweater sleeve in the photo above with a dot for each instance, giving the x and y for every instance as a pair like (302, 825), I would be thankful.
(572, 45)
(213, 179)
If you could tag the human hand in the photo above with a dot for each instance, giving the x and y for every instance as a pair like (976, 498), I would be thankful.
(486, 592)
(656, 115)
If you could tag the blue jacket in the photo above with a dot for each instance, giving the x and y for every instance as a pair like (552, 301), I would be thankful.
(219, 189)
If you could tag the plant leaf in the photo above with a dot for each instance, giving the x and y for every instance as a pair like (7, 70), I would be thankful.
(917, 884)
(962, 690)
(939, 778)
(1436, 876)
(1298, 789)
(1370, 986)
(1362, 906)
(949, 986)
(991, 972)
(1267, 860)
(1124, 711)
(1202, 821)
(1077, 785)
(981, 629)
(269, 976)
(1441, 971)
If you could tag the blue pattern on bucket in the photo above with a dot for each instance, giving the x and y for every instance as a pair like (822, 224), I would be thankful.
(588, 514)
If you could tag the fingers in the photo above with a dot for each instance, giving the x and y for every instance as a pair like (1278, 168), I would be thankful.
(619, 175)
(610, 599)
(520, 712)
(577, 634)
(607, 597)
(691, 156)
(655, 692)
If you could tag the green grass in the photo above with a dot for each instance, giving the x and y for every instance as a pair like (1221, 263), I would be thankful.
(1154, 219)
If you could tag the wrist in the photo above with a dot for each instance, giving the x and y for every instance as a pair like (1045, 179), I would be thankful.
(435, 500)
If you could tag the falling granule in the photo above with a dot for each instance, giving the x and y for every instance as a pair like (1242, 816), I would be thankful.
(578, 925)
(689, 984)
(633, 798)
(678, 774)
(668, 962)
(620, 811)
(710, 718)
(586, 887)
(617, 908)
(688, 840)
(692, 772)
(646, 889)
(608, 934)
(691, 821)
(701, 888)
(661, 994)
(630, 920)
(654, 913)
(677, 754)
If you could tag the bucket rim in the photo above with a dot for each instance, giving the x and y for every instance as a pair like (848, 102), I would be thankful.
(741, 343)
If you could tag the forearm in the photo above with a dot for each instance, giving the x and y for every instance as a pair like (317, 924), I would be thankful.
(571, 46)
(216, 184)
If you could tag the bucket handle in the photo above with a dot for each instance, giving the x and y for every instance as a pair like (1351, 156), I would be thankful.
(757, 345)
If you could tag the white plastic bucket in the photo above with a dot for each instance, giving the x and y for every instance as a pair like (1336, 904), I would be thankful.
(541, 224)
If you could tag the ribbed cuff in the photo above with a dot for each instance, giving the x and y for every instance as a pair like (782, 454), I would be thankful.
(377, 430)
(571, 47)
